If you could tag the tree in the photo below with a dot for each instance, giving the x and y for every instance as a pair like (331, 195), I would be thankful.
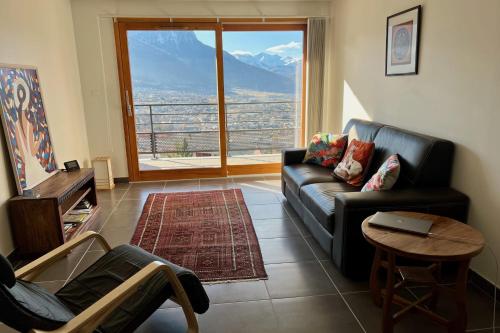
(182, 148)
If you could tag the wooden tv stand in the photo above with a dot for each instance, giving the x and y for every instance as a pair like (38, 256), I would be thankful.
(38, 223)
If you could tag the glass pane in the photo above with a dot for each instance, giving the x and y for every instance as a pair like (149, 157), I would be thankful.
(174, 84)
(263, 91)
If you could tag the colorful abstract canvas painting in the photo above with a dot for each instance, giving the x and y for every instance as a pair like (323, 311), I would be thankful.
(25, 126)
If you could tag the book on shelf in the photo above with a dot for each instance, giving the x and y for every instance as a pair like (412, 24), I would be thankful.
(70, 229)
(83, 204)
(80, 211)
(77, 218)
(68, 226)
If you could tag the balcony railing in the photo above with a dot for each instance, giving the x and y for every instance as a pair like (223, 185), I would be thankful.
(186, 130)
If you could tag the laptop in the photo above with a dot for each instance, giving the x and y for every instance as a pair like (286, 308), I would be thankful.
(401, 223)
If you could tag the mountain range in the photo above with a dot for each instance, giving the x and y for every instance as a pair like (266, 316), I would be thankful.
(177, 60)
(286, 66)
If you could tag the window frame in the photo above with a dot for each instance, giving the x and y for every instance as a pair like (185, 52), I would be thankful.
(218, 25)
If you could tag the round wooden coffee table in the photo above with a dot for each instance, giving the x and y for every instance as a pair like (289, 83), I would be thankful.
(448, 240)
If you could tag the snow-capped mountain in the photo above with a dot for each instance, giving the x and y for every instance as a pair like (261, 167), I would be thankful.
(179, 61)
(286, 66)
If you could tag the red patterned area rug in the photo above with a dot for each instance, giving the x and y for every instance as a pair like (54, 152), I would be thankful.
(209, 232)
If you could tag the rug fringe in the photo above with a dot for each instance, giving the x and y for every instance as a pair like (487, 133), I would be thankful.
(234, 281)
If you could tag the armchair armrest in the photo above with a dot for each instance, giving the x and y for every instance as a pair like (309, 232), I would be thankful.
(351, 253)
(31, 270)
(293, 155)
(93, 316)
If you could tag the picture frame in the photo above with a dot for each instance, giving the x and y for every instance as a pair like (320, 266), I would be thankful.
(25, 126)
(402, 42)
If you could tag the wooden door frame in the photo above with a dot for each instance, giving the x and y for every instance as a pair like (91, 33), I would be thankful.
(122, 25)
(126, 92)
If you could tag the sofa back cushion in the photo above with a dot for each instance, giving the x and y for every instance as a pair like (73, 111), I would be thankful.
(425, 161)
(362, 130)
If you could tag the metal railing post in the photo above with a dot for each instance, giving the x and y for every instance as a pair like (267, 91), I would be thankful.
(153, 135)
(226, 130)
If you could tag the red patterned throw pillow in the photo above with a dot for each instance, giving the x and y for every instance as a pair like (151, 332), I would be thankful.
(326, 149)
(355, 162)
(386, 176)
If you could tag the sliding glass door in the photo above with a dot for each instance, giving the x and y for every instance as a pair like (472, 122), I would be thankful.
(263, 67)
(209, 99)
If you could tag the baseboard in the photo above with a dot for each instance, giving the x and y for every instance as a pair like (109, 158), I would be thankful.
(121, 180)
(480, 282)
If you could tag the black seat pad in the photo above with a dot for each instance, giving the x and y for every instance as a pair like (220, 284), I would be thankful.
(115, 267)
(26, 305)
(320, 200)
(298, 175)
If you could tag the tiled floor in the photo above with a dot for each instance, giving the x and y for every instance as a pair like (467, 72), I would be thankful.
(304, 292)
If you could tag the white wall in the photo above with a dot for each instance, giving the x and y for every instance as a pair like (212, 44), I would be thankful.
(97, 55)
(40, 33)
(456, 95)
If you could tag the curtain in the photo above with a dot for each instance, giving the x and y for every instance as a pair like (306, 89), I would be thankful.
(316, 31)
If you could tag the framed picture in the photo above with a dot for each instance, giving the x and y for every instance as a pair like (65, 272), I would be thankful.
(25, 126)
(402, 42)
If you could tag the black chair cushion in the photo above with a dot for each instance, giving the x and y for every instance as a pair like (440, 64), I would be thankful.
(320, 200)
(26, 305)
(115, 267)
(298, 175)
(7, 276)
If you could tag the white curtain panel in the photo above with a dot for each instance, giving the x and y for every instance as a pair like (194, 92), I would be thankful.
(316, 32)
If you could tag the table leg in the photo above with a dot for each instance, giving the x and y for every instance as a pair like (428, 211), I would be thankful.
(387, 320)
(435, 288)
(374, 286)
(459, 324)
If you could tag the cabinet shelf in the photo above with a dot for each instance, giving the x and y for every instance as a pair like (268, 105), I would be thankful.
(81, 227)
(73, 200)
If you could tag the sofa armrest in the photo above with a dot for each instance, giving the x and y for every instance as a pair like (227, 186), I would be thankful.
(350, 250)
(386, 200)
(292, 155)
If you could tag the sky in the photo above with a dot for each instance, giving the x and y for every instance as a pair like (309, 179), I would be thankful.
(282, 43)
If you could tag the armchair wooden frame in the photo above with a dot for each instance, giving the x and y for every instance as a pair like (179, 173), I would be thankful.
(93, 316)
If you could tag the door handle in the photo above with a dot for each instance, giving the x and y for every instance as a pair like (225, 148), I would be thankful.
(129, 106)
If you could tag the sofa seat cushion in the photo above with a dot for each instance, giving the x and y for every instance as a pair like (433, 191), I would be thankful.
(320, 200)
(298, 175)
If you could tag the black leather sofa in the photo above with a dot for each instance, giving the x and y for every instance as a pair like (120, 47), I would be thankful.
(333, 210)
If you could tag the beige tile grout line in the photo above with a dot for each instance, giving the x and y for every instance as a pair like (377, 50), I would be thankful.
(100, 229)
(268, 299)
(324, 269)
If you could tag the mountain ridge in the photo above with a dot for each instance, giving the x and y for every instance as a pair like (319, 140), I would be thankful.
(177, 60)
(286, 66)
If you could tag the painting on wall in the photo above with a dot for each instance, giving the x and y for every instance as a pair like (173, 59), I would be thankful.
(402, 42)
(25, 126)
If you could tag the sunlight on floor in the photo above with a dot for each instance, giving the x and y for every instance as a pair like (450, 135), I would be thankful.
(204, 162)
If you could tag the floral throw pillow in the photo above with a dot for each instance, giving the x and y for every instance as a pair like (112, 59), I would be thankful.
(355, 162)
(386, 176)
(326, 149)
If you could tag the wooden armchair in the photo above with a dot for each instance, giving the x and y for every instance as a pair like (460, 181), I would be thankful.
(115, 294)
